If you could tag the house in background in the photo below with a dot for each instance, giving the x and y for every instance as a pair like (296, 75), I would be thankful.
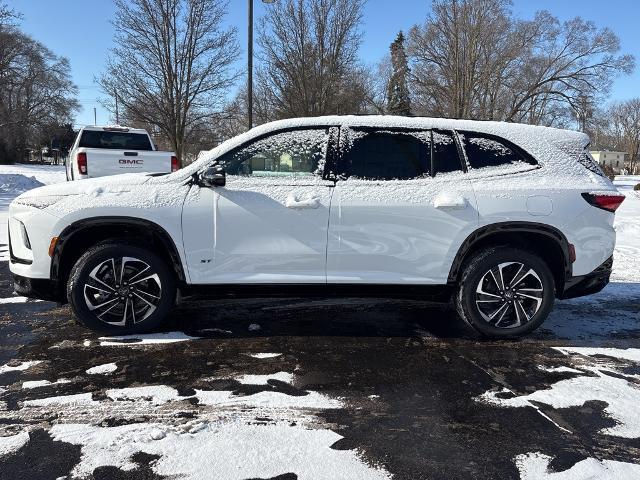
(615, 160)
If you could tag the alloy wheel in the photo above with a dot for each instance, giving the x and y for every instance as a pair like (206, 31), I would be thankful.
(509, 295)
(122, 291)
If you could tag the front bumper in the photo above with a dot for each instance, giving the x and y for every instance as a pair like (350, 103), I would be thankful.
(587, 284)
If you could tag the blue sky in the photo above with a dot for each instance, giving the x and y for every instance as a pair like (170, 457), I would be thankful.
(81, 31)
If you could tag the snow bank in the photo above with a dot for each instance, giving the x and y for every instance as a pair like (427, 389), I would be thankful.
(17, 179)
(15, 184)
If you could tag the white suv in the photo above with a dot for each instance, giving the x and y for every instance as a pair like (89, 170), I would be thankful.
(503, 218)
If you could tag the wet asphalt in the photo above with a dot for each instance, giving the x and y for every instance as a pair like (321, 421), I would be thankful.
(407, 371)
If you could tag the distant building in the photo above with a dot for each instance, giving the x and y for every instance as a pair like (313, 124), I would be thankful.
(615, 160)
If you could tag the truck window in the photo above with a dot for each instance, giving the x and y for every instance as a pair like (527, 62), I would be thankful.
(115, 140)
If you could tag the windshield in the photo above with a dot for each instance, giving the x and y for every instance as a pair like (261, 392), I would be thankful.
(115, 140)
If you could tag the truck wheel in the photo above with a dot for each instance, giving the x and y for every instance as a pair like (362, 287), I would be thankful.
(505, 292)
(120, 288)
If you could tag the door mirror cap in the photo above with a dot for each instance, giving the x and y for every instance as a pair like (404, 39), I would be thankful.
(214, 176)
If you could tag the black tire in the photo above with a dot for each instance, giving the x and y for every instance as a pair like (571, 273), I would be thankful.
(151, 292)
(524, 307)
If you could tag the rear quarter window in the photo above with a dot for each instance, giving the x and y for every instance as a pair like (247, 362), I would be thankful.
(486, 151)
(115, 140)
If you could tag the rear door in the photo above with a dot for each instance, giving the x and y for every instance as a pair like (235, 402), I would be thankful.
(269, 223)
(402, 208)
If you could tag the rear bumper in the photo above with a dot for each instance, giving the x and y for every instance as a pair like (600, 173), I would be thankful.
(43, 289)
(587, 284)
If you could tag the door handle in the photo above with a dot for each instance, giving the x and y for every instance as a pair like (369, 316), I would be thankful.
(450, 201)
(293, 201)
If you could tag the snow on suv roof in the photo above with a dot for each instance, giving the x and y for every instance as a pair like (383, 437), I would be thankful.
(552, 147)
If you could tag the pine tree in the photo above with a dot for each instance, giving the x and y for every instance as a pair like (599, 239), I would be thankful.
(398, 101)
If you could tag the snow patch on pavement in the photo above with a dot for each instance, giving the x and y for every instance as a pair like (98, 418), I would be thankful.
(18, 299)
(156, 394)
(264, 379)
(104, 369)
(19, 367)
(146, 339)
(264, 355)
(559, 369)
(631, 354)
(62, 400)
(231, 449)
(535, 466)
(596, 383)
(232, 436)
(43, 383)
(13, 443)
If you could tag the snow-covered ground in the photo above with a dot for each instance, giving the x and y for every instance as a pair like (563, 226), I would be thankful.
(295, 439)
(15, 179)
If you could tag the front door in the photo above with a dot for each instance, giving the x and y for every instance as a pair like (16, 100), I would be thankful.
(402, 209)
(269, 223)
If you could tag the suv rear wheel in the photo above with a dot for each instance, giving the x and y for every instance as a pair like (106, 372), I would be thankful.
(120, 288)
(505, 292)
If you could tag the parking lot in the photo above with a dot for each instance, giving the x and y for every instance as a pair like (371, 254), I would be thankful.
(302, 388)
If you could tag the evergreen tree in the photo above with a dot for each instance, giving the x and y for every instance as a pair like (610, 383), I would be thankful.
(398, 101)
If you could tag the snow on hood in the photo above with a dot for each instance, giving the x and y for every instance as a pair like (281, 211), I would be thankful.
(133, 190)
(91, 186)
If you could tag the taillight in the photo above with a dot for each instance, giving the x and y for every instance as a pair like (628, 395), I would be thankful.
(174, 164)
(82, 162)
(606, 201)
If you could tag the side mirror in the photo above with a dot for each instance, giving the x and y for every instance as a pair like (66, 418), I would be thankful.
(214, 176)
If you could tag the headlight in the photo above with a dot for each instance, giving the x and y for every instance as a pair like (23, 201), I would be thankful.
(42, 201)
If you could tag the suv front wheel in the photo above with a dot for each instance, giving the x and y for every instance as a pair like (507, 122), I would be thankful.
(120, 288)
(505, 292)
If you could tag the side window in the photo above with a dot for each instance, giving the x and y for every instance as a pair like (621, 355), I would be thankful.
(388, 155)
(485, 151)
(445, 153)
(292, 153)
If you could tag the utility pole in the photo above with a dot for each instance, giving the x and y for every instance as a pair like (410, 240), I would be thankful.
(250, 68)
(95, 116)
(250, 63)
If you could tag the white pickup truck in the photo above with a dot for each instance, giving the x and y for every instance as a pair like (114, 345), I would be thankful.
(111, 150)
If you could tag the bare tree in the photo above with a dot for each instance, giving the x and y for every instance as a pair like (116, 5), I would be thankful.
(36, 92)
(624, 129)
(172, 64)
(309, 54)
(8, 16)
(472, 59)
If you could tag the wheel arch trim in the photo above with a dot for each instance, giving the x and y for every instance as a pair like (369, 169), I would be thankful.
(77, 227)
(505, 228)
